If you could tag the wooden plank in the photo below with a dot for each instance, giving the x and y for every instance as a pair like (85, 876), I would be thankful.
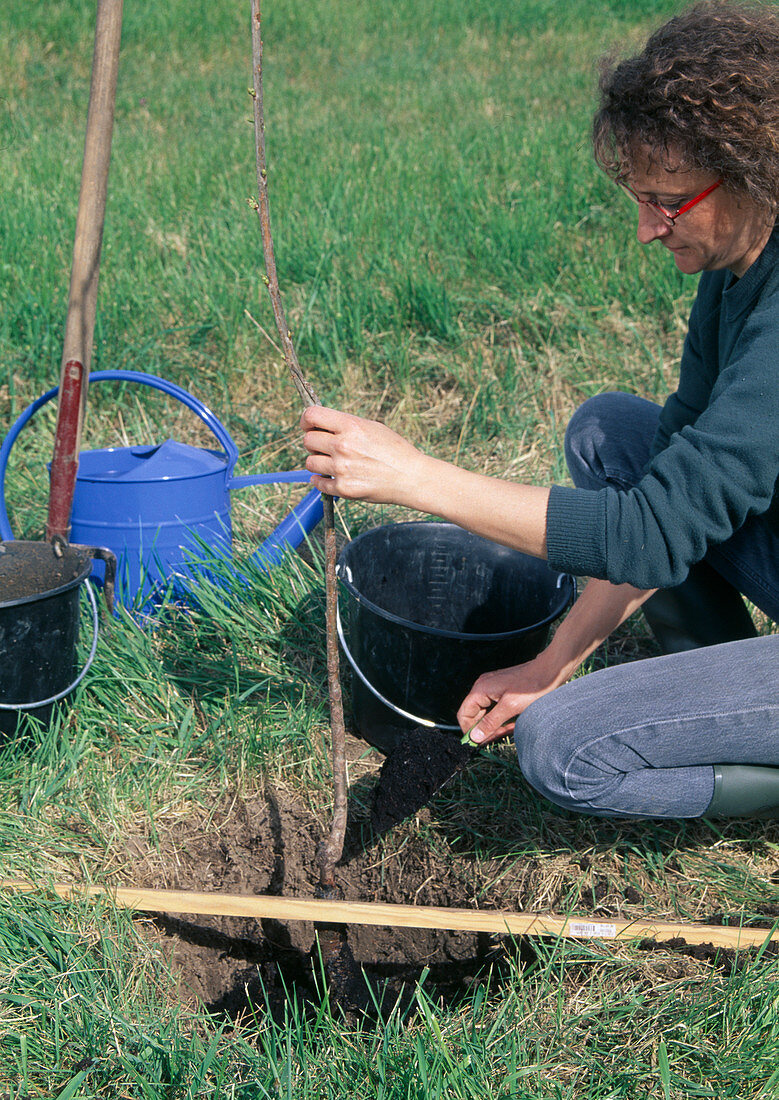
(263, 906)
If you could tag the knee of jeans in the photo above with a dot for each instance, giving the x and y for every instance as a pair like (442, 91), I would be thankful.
(541, 753)
(584, 437)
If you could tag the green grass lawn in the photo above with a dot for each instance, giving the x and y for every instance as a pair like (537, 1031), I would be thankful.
(452, 262)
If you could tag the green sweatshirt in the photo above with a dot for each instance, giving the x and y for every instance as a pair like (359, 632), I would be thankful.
(716, 455)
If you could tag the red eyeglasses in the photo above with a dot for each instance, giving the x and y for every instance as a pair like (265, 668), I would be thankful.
(668, 216)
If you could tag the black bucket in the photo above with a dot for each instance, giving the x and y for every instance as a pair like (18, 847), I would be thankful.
(428, 608)
(39, 625)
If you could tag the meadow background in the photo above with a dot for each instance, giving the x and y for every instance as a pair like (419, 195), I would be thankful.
(453, 263)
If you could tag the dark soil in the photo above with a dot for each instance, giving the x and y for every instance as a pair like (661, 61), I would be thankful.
(268, 845)
(421, 763)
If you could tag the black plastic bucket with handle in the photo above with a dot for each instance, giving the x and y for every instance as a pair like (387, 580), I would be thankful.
(39, 624)
(424, 609)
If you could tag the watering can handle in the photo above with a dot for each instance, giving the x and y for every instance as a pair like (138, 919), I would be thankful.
(291, 531)
(206, 415)
(172, 390)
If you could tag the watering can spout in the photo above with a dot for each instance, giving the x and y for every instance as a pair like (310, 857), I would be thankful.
(291, 532)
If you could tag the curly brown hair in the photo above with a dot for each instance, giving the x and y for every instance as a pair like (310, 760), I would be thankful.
(705, 87)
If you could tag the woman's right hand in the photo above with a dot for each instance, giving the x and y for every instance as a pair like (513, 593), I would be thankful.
(490, 708)
(362, 459)
(496, 699)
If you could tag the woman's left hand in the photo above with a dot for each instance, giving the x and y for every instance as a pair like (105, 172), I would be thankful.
(364, 460)
(360, 459)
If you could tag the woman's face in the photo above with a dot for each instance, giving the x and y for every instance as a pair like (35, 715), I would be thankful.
(722, 230)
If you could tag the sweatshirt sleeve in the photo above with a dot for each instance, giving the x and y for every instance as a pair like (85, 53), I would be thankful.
(697, 490)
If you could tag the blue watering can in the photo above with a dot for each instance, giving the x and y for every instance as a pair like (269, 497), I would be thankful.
(158, 506)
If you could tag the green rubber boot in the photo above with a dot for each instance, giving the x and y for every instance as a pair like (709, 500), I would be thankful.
(703, 610)
(744, 790)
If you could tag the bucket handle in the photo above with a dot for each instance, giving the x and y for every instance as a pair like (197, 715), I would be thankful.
(66, 691)
(374, 690)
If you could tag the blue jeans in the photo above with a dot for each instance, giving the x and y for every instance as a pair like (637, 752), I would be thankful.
(641, 739)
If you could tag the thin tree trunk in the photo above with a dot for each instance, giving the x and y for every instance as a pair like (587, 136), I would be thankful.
(331, 849)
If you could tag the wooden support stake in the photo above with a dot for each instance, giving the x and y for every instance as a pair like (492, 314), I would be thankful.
(261, 906)
(85, 269)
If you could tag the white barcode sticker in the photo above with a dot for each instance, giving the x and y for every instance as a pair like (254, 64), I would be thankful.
(592, 930)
